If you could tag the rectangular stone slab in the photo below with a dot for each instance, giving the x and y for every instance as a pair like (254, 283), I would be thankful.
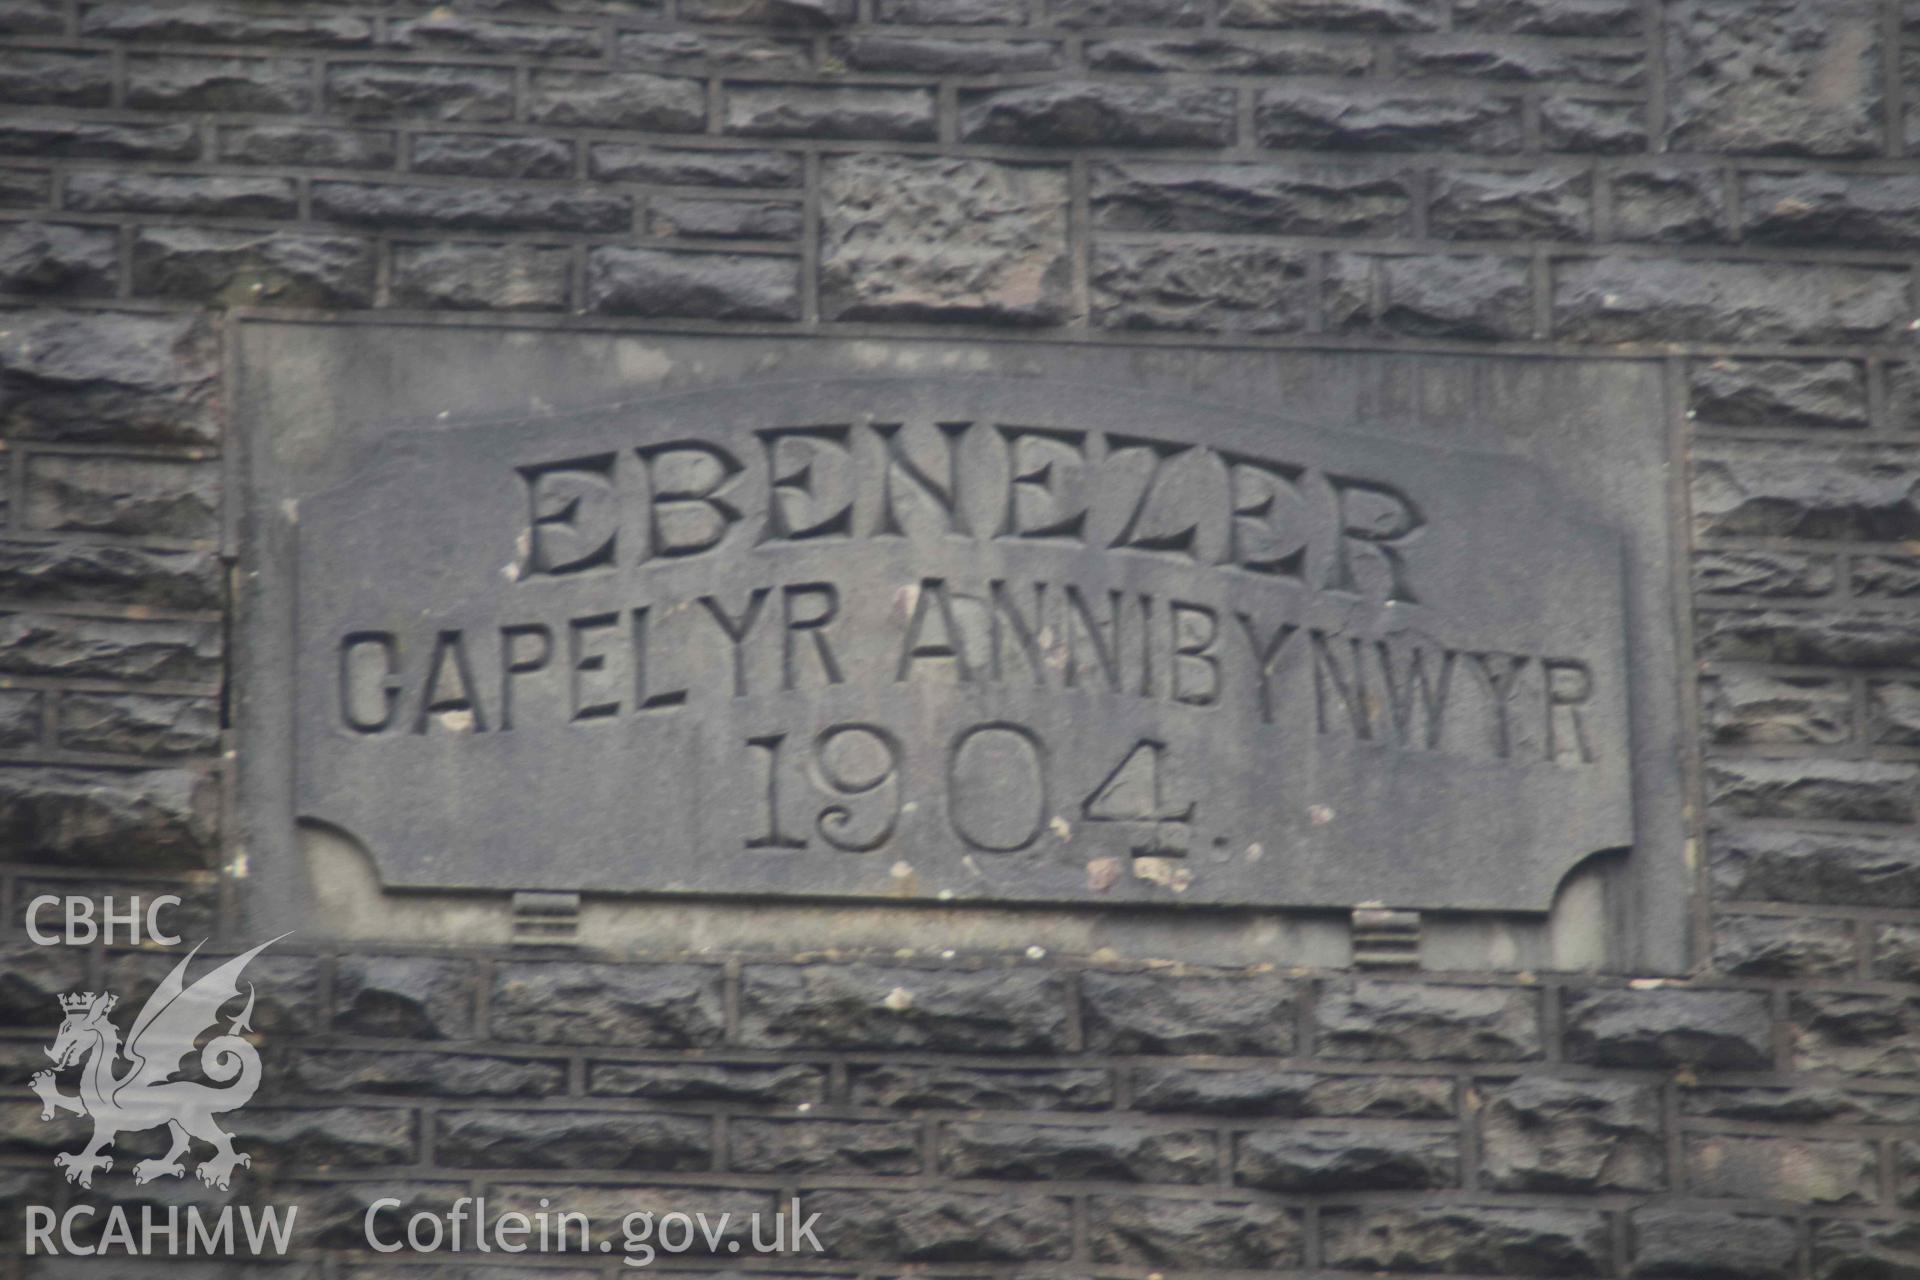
(977, 623)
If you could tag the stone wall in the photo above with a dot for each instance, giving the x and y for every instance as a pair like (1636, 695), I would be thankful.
(1716, 183)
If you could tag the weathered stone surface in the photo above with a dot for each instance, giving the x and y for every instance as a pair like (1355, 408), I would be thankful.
(1592, 127)
(1778, 393)
(20, 718)
(1780, 77)
(1334, 15)
(1479, 57)
(379, 90)
(1366, 1018)
(1309, 1160)
(1795, 1170)
(1262, 1091)
(690, 51)
(1766, 575)
(1853, 210)
(1808, 1104)
(33, 978)
(1518, 1242)
(47, 78)
(37, 644)
(1385, 120)
(942, 1088)
(174, 82)
(1539, 1134)
(674, 168)
(700, 219)
(414, 1073)
(1746, 708)
(1669, 204)
(1459, 296)
(1055, 1152)
(24, 189)
(487, 155)
(1098, 113)
(571, 1140)
(201, 23)
(910, 238)
(823, 1146)
(1784, 947)
(1126, 13)
(1884, 577)
(1201, 287)
(48, 570)
(941, 1226)
(697, 1084)
(780, 13)
(1857, 1250)
(669, 1006)
(1806, 491)
(1135, 195)
(935, 55)
(33, 17)
(287, 999)
(1704, 1030)
(145, 819)
(1855, 1034)
(956, 13)
(1142, 1232)
(705, 286)
(899, 115)
(403, 997)
(1153, 1013)
(57, 258)
(479, 277)
(1893, 712)
(442, 30)
(1712, 1246)
(1240, 55)
(247, 268)
(472, 208)
(298, 144)
(98, 140)
(1644, 300)
(622, 100)
(138, 724)
(864, 1007)
(1540, 204)
(1838, 790)
(334, 1137)
(1796, 866)
(219, 195)
(1896, 958)
(1819, 639)
(102, 377)
(1550, 18)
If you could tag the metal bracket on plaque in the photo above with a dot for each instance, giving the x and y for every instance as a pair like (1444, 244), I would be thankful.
(545, 918)
(1385, 939)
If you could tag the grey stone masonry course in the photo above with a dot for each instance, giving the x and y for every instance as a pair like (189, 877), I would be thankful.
(691, 51)
(1711, 1246)
(307, 145)
(822, 1146)
(1806, 491)
(403, 1074)
(134, 651)
(1642, 300)
(1153, 1013)
(938, 1225)
(933, 55)
(392, 90)
(1884, 577)
(1386, 120)
(1489, 205)
(1669, 205)
(1059, 1152)
(1784, 947)
(697, 219)
(633, 162)
(1774, 77)
(1855, 1033)
(1098, 114)
(1521, 62)
(1551, 17)
(1848, 210)
(486, 155)
(700, 1083)
(1201, 288)
(140, 724)
(474, 208)
(1375, 1019)
(1845, 1249)
(245, 268)
(58, 258)
(56, 79)
(1749, 709)
(1833, 790)
(1094, 14)
(1262, 1091)
(1790, 1170)
(1893, 712)
(1571, 1136)
(100, 377)
(901, 115)
(403, 997)
(98, 139)
(1237, 55)
(918, 1087)
(1335, 15)
(56, 571)
(805, 14)
(1300, 1159)
(1703, 1030)
(670, 1006)
(1491, 1241)
(145, 820)
(213, 23)
(1474, 297)
(619, 100)
(103, 191)
(21, 718)
(1778, 393)
(907, 238)
(865, 1007)
(571, 1140)
(1763, 574)
(481, 277)
(442, 30)
(172, 82)
(1146, 1232)
(1134, 195)
(703, 286)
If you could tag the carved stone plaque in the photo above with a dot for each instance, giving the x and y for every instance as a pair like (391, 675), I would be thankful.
(1013, 632)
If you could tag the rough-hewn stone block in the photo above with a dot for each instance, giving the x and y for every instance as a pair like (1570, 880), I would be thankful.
(900, 115)
(941, 1226)
(1143, 1232)
(1089, 113)
(702, 286)
(1155, 1013)
(249, 268)
(403, 997)
(1309, 1160)
(1712, 1246)
(1266, 1092)
(1745, 708)
(1055, 1152)
(1778, 393)
(1386, 120)
(865, 1007)
(1835, 790)
(1248, 199)
(1541, 1134)
(1855, 1033)
(139, 819)
(1201, 288)
(138, 724)
(823, 1146)
(1713, 1030)
(571, 1140)
(1364, 1018)
(1529, 1242)
(482, 277)
(656, 1005)
(926, 1087)
(617, 100)
(1809, 867)
(420, 91)
(1456, 296)
(1647, 300)
(1795, 1170)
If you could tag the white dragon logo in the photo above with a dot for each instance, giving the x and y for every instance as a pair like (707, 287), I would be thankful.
(144, 1097)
